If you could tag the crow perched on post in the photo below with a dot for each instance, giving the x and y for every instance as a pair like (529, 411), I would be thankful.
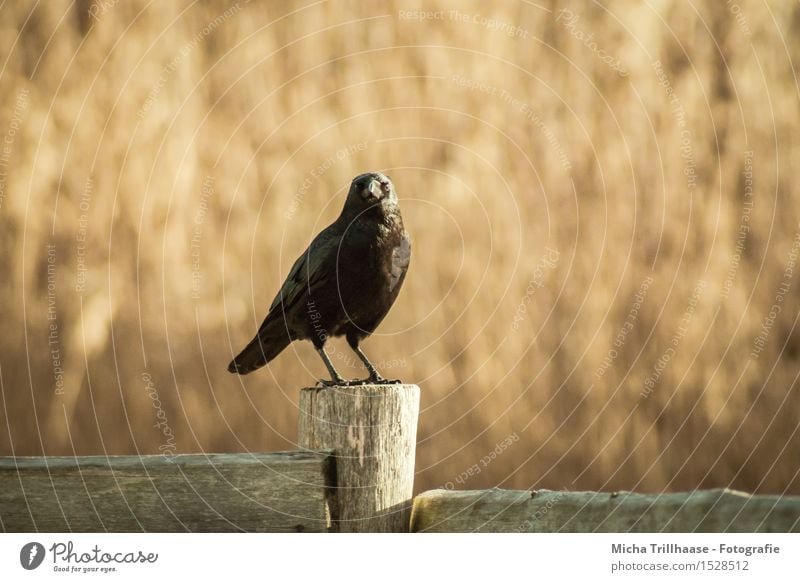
(343, 284)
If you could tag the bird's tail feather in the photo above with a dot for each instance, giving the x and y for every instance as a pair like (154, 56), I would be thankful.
(263, 348)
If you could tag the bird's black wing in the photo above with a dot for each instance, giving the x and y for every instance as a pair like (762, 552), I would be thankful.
(311, 271)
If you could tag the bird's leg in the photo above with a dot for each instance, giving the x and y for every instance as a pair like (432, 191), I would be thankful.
(374, 376)
(336, 379)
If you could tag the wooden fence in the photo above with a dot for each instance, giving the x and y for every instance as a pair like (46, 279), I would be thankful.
(355, 473)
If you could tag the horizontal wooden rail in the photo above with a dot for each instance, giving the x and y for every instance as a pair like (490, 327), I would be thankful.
(266, 492)
(498, 510)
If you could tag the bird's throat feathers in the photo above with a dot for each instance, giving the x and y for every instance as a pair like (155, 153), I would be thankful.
(386, 212)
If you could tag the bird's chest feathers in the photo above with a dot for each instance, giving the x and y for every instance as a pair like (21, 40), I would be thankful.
(367, 254)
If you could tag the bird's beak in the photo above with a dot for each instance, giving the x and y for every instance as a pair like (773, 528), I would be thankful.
(375, 190)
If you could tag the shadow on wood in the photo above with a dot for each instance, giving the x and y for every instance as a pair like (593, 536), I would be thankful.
(373, 430)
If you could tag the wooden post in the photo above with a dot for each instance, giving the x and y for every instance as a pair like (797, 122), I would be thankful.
(373, 432)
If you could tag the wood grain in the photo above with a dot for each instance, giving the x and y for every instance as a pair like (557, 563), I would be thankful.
(372, 429)
(497, 510)
(266, 492)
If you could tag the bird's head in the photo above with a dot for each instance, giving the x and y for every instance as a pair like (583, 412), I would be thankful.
(371, 190)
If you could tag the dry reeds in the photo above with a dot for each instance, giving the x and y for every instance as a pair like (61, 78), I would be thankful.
(601, 227)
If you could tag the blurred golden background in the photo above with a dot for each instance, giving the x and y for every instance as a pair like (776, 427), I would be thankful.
(603, 293)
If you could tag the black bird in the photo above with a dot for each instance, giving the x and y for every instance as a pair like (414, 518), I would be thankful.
(343, 284)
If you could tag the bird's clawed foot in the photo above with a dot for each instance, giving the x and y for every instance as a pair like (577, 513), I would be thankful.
(329, 383)
(380, 380)
(342, 382)
(337, 380)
